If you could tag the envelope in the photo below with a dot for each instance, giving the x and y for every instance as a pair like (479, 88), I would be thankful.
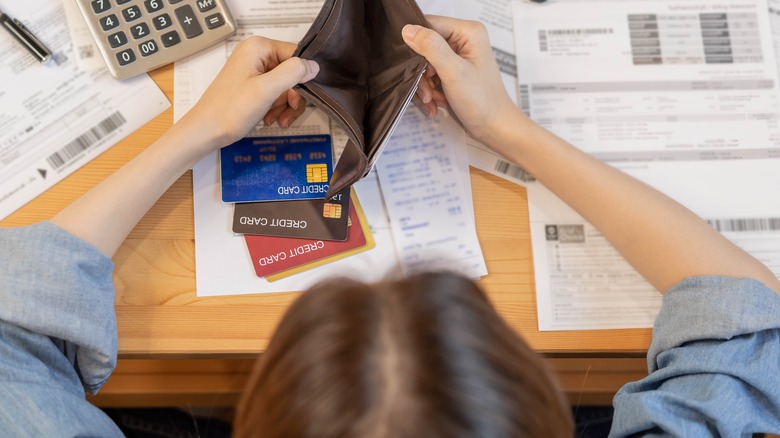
(367, 77)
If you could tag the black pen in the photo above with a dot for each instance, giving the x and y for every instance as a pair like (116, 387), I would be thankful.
(24, 36)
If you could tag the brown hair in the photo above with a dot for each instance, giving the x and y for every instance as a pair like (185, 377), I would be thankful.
(426, 356)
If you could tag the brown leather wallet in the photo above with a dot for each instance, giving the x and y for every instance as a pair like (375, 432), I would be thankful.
(367, 77)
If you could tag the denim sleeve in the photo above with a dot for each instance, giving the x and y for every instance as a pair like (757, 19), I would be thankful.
(714, 363)
(57, 333)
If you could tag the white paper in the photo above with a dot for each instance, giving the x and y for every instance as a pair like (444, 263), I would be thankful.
(55, 117)
(427, 197)
(582, 282)
(704, 133)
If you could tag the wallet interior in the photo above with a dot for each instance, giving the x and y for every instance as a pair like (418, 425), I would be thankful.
(367, 75)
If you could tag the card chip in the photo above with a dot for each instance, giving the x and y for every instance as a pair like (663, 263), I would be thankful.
(331, 211)
(316, 173)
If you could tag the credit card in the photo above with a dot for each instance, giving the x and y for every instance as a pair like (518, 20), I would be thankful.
(260, 169)
(276, 257)
(319, 219)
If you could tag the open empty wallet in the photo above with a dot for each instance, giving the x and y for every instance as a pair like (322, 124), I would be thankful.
(367, 77)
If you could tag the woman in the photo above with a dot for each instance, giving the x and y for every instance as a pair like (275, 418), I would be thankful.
(428, 356)
(421, 357)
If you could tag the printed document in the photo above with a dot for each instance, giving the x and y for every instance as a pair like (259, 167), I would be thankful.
(55, 117)
(423, 173)
(680, 94)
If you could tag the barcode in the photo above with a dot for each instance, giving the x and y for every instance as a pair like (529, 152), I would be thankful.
(515, 172)
(525, 99)
(579, 31)
(86, 140)
(745, 225)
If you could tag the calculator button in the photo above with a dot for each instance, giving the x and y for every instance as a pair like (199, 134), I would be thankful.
(148, 48)
(125, 57)
(205, 5)
(171, 38)
(189, 23)
(118, 39)
(173, 2)
(162, 21)
(100, 6)
(109, 22)
(139, 30)
(121, 2)
(214, 21)
(153, 5)
(131, 13)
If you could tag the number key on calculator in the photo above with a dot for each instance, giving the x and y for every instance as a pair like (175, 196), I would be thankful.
(135, 36)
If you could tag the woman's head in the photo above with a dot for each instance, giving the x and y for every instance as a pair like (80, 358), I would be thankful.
(426, 356)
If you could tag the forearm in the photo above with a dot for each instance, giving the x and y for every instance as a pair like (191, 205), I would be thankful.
(664, 241)
(106, 214)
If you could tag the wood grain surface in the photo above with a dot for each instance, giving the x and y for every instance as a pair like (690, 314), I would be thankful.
(159, 314)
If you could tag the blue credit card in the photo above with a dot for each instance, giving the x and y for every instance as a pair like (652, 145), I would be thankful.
(258, 169)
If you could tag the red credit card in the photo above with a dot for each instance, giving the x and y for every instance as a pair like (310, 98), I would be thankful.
(275, 254)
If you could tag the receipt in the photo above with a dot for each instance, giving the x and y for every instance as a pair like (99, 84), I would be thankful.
(427, 198)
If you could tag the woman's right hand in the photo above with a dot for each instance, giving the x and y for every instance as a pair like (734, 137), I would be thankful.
(462, 64)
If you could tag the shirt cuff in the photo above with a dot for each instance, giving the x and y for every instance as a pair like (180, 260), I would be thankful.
(57, 285)
(712, 308)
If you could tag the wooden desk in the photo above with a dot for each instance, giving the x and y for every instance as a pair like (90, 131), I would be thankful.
(159, 316)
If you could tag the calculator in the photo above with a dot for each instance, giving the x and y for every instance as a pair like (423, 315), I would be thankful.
(135, 36)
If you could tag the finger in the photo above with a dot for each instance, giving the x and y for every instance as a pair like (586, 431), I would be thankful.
(439, 97)
(424, 90)
(281, 100)
(432, 46)
(283, 49)
(429, 108)
(287, 74)
(447, 27)
(273, 114)
(295, 100)
(264, 52)
(289, 116)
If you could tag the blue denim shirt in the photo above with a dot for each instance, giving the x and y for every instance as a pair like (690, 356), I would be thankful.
(714, 363)
(57, 333)
(714, 359)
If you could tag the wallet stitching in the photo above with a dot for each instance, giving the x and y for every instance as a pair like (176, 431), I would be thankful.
(343, 111)
(332, 31)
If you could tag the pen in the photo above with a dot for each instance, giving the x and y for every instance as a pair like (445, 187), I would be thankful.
(24, 36)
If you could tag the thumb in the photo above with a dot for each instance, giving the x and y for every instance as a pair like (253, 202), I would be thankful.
(287, 74)
(432, 46)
